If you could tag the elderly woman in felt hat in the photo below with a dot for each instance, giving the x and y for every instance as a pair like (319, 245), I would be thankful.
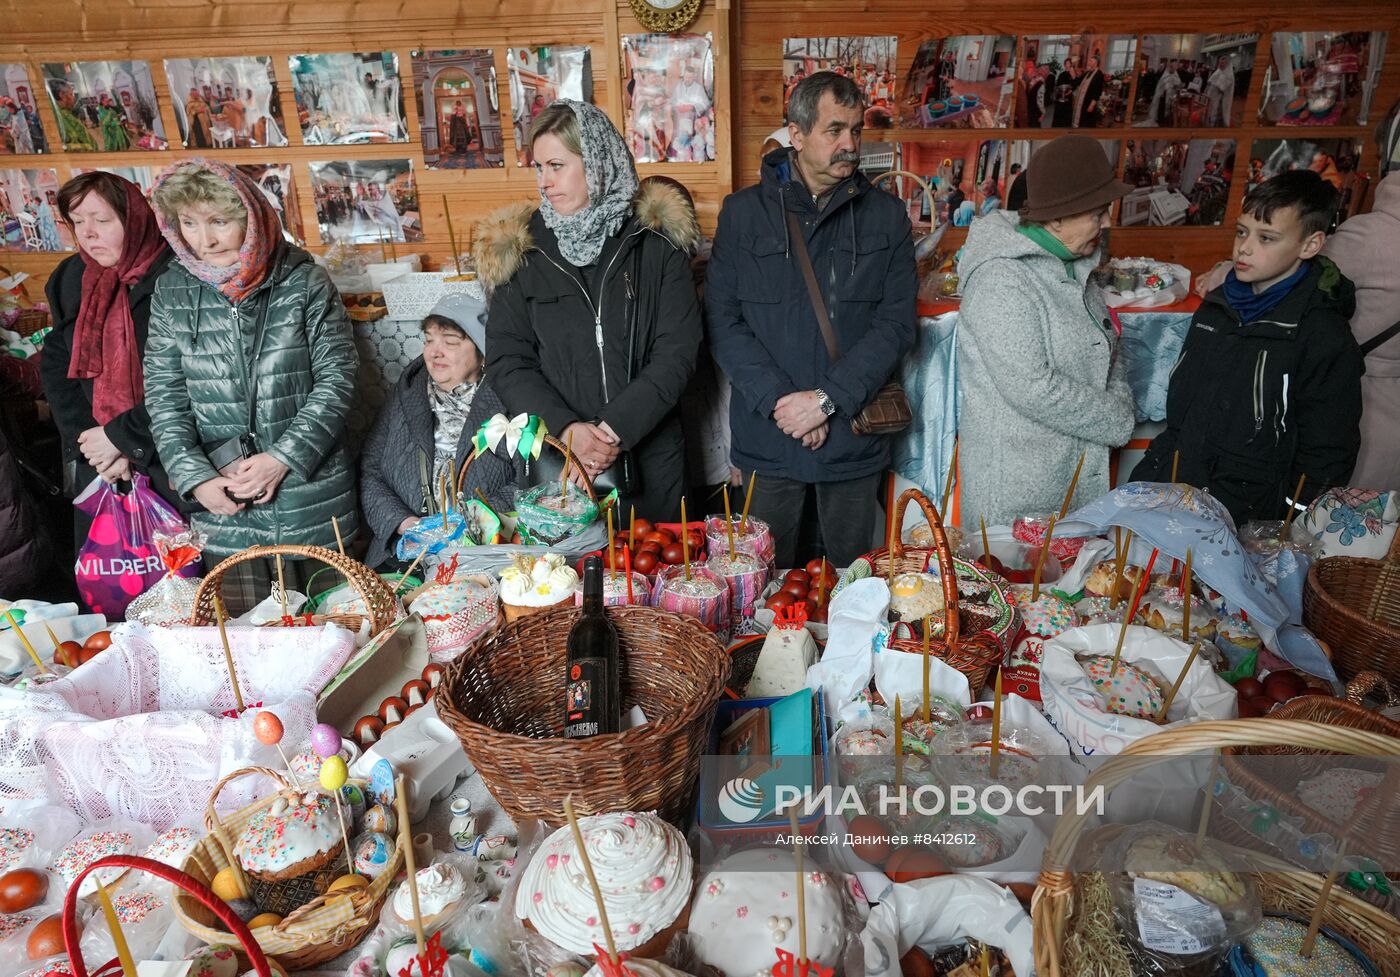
(1041, 381)
(424, 432)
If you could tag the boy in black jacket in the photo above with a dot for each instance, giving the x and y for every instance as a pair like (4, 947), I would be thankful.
(1268, 386)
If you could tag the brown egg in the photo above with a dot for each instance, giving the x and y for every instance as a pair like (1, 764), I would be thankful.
(392, 709)
(368, 730)
(22, 889)
(908, 864)
(1248, 688)
(870, 839)
(916, 963)
(415, 692)
(1284, 685)
(46, 939)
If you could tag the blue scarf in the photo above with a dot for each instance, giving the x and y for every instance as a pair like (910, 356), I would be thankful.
(1248, 304)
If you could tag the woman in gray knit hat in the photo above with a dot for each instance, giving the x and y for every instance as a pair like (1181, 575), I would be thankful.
(425, 430)
(1040, 379)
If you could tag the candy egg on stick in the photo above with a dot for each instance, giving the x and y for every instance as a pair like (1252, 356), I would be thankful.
(325, 740)
(268, 729)
(333, 776)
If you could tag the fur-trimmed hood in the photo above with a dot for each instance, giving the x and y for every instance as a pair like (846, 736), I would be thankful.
(503, 237)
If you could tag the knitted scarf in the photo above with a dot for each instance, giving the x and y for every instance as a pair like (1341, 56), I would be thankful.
(260, 241)
(104, 336)
(612, 183)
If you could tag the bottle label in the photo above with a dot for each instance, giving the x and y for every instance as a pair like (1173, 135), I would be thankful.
(585, 697)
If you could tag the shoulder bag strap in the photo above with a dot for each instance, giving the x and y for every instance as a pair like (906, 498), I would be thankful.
(809, 275)
(1380, 339)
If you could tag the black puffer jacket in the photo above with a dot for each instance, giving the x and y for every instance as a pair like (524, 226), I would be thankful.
(563, 350)
(1252, 406)
(24, 539)
(401, 443)
(71, 400)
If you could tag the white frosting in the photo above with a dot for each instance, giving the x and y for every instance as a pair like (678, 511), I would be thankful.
(439, 886)
(544, 583)
(296, 827)
(643, 868)
(642, 968)
(746, 908)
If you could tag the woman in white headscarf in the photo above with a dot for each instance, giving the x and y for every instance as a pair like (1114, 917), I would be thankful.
(593, 322)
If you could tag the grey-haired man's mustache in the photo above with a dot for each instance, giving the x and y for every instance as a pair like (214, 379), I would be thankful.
(846, 158)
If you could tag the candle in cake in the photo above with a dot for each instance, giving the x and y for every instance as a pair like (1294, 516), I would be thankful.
(118, 937)
(24, 640)
(996, 725)
(928, 628)
(748, 498)
(728, 521)
(1186, 598)
(685, 539)
(948, 484)
(1073, 482)
(1040, 559)
(1176, 686)
(219, 615)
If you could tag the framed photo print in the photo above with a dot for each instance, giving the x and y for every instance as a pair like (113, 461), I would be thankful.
(1193, 81)
(348, 98)
(459, 111)
(1177, 182)
(668, 99)
(105, 106)
(868, 61)
(29, 212)
(366, 201)
(21, 132)
(226, 103)
(539, 76)
(1074, 81)
(963, 82)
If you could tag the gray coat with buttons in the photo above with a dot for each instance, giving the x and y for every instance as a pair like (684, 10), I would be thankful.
(197, 379)
(1040, 381)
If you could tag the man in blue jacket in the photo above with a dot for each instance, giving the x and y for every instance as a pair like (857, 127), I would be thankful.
(790, 416)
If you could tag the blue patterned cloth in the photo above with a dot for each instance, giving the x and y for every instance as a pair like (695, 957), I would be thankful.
(1150, 347)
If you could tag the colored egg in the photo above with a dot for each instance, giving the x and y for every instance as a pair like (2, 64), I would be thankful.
(267, 728)
(264, 919)
(21, 889)
(46, 939)
(225, 885)
(349, 882)
(325, 740)
(333, 773)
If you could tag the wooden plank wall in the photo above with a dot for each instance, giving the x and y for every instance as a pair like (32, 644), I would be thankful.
(79, 30)
(762, 25)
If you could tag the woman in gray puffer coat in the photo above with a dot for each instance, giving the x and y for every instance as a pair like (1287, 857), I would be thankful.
(250, 349)
(1041, 381)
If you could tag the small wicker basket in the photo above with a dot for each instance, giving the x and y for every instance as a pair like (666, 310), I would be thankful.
(974, 643)
(504, 699)
(321, 930)
(380, 599)
(1282, 887)
(1353, 605)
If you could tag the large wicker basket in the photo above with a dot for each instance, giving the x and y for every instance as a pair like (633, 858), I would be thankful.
(1353, 605)
(974, 642)
(504, 699)
(321, 930)
(380, 599)
(1282, 887)
(554, 443)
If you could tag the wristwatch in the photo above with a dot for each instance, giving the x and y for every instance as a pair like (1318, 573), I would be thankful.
(827, 405)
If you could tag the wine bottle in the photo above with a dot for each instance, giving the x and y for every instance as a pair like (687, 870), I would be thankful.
(592, 687)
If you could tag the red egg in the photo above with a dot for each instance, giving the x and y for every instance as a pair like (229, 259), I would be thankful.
(811, 606)
(779, 600)
(662, 537)
(800, 576)
(98, 641)
(641, 527)
(644, 562)
(68, 653)
(909, 864)
(22, 889)
(696, 538)
(432, 674)
(1284, 685)
(870, 839)
(392, 709)
(819, 569)
(46, 939)
(1248, 688)
(267, 728)
(673, 554)
(415, 693)
(368, 730)
(88, 654)
(797, 588)
(917, 963)
(820, 614)
(1260, 705)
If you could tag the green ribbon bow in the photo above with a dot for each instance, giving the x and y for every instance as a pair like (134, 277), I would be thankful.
(524, 435)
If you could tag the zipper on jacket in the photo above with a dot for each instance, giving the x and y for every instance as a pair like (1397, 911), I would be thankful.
(597, 309)
(1259, 363)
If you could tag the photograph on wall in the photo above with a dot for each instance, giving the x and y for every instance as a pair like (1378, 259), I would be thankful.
(1335, 160)
(868, 61)
(348, 98)
(967, 178)
(1074, 81)
(21, 132)
(276, 182)
(960, 82)
(1321, 78)
(459, 110)
(1177, 182)
(1193, 81)
(668, 99)
(366, 201)
(105, 106)
(1019, 157)
(226, 103)
(143, 176)
(539, 76)
(29, 212)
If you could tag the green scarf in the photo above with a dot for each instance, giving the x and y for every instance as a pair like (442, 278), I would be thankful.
(1048, 241)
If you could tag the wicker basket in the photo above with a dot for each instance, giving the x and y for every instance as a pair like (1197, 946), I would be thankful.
(1281, 886)
(975, 642)
(250, 953)
(1381, 828)
(384, 607)
(31, 319)
(1353, 605)
(504, 699)
(321, 930)
(554, 443)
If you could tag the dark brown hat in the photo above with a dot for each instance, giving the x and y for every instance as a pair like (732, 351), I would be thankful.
(1069, 175)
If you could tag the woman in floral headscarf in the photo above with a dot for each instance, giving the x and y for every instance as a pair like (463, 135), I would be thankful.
(250, 371)
(593, 322)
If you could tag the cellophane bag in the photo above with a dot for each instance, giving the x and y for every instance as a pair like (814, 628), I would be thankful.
(170, 600)
(119, 560)
(548, 517)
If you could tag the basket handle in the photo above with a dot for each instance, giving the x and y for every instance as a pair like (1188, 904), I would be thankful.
(553, 442)
(923, 185)
(1392, 555)
(378, 597)
(193, 886)
(1367, 682)
(210, 814)
(946, 571)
